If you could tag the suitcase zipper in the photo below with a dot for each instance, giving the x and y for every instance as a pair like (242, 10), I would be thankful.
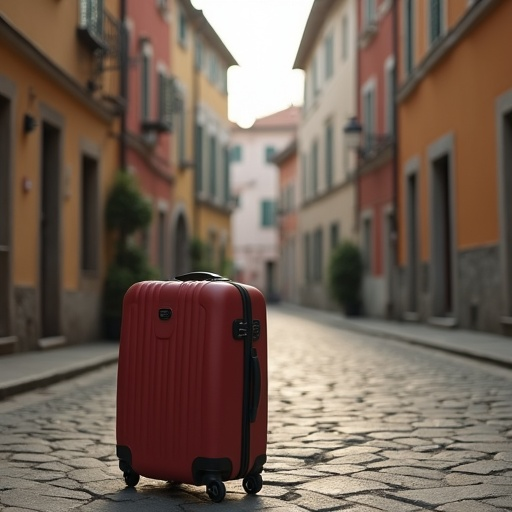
(246, 333)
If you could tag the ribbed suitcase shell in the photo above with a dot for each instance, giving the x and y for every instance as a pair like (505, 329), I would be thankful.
(180, 380)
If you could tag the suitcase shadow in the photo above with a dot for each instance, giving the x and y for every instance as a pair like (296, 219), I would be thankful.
(156, 495)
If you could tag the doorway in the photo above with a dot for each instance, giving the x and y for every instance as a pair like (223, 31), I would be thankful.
(412, 243)
(50, 264)
(442, 252)
(506, 205)
(5, 215)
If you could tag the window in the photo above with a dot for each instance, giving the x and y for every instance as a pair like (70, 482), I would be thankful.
(91, 16)
(304, 173)
(199, 50)
(226, 183)
(270, 151)
(408, 36)
(146, 81)
(314, 71)
(367, 244)
(329, 56)
(369, 117)
(307, 257)
(335, 235)
(182, 28)
(314, 168)
(329, 155)
(90, 214)
(344, 38)
(213, 167)
(161, 243)
(389, 76)
(198, 157)
(166, 99)
(436, 20)
(268, 213)
(236, 153)
(369, 13)
(317, 255)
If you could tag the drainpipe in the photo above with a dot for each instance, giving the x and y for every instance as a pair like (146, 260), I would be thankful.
(394, 272)
(123, 85)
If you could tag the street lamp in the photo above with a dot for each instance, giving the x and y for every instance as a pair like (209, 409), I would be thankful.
(353, 131)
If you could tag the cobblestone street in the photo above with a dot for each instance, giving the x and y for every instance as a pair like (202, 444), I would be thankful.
(356, 423)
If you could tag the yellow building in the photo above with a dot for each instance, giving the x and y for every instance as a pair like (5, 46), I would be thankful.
(59, 114)
(200, 155)
(455, 147)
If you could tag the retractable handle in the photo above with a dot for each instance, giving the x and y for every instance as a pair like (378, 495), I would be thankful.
(201, 276)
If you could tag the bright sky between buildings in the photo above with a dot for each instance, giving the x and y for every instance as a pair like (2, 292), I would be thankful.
(263, 36)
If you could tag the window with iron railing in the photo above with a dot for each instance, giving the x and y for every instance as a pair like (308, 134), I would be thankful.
(91, 17)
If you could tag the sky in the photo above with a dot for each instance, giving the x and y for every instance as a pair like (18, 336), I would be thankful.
(263, 36)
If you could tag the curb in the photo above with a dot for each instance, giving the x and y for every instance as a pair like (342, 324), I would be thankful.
(15, 387)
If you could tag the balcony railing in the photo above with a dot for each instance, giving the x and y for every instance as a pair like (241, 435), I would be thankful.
(373, 144)
(100, 31)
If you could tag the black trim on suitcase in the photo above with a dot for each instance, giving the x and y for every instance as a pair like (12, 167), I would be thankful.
(246, 406)
(204, 469)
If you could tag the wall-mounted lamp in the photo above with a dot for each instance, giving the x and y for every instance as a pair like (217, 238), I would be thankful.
(353, 131)
(29, 123)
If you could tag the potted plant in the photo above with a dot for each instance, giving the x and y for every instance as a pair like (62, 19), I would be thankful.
(126, 212)
(346, 277)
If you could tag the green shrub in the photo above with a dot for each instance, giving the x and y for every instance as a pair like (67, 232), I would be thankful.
(126, 212)
(346, 277)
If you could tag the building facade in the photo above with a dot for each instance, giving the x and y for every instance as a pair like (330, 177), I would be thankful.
(148, 126)
(376, 153)
(201, 217)
(327, 53)
(455, 147)
(59, 129)
(255, 185)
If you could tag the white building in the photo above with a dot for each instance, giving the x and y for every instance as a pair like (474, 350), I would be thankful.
(255, 185)
(328, 55)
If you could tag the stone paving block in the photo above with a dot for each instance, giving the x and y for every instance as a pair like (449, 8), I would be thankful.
(341, 486)
(481, 447)
(397, 480)
(89, 475)
(504, 456)
(363, 458)
(483, 467)
(38, 502)
(468, 505)
(503, 501)
(382, 503)
(420, 463)
(338, 469)
(443, 495)
(459, 455)
(315, 501)
(431, 474)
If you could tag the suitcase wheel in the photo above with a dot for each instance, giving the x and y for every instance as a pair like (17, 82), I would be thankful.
(216, 490)
(131, 478)
(252, 484)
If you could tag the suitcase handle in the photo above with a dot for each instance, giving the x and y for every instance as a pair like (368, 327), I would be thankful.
(256, 385)
(201, 276)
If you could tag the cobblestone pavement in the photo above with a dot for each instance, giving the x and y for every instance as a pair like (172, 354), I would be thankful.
(356, 424)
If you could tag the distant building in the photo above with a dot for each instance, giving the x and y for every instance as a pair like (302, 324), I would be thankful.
(255, 187)
(376, 165)
(328, 55)
(59, 124)
(455, 159)
(286, 160)
(201, 216)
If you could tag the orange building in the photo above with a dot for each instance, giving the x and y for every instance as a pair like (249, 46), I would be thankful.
(286, 160)
(59, 122)
(455, 162)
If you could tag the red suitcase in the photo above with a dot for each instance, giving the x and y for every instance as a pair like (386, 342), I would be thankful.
(192, 383)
